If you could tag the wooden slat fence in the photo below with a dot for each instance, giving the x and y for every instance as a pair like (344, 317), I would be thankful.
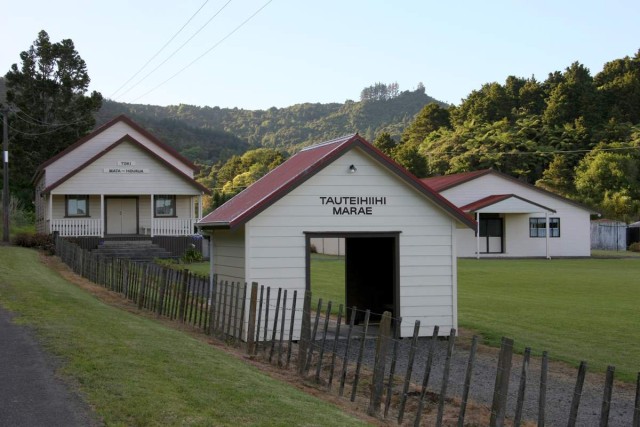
(406, 381)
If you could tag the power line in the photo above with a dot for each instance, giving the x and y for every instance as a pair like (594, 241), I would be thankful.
(518, 153)
(207, 51)
(177, 50)
(161, 49)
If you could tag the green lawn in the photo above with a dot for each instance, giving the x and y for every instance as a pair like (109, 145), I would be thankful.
(576, 309)
(327, 280)
(136, 371)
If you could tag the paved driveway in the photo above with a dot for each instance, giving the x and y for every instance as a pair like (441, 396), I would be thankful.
(30, 393)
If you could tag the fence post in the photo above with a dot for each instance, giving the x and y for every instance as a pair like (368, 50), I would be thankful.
(445, 377)
(606, 398)
(141, 289)
(324, 339)
(305, 333)
(183, 294)
(251, 328)
(407, 377)
(363, 340)
(577, 394)
(377, 385)
(521, 389)
(542, 400)
(467, 381)
(163, 289)
(636, 410)
(313, 337)
(498, 408)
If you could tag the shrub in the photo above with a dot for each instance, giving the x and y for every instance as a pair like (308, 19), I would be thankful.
(191, 255)
(34, 240)
(634, 247)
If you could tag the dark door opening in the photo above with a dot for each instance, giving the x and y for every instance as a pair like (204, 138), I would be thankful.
(370, 275)
(491, 234)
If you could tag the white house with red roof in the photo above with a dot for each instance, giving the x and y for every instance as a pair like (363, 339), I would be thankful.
(119, 180)
(513, 218)
(400, 235)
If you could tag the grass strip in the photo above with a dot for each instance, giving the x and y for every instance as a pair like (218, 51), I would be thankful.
(136, 371)
(576, 309)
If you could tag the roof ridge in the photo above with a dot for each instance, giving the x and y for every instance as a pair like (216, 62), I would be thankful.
(332, 141)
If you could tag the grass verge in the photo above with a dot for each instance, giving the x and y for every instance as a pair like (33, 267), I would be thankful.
(576, 309)
(136, 371)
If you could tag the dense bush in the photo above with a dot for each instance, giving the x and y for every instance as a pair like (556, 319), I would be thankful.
(635, 247)
(191, 255)
(34, 240)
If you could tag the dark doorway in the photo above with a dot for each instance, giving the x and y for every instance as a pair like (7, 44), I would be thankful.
(491, 234)
(370, 274)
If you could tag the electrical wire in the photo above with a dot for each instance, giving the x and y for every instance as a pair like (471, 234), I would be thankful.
(177, 50)
(518, 153)
(206, 52)
(161, 49)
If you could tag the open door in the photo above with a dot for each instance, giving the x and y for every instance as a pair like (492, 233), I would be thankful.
(371, 270)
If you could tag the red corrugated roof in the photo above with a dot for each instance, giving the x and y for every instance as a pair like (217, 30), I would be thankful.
(303, 166)
(484, 202)
(441, 183)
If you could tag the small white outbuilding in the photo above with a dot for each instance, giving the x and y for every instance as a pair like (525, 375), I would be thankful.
(400, 235)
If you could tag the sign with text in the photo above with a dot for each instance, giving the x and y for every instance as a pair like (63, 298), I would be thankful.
(126, 170)
(353, 205)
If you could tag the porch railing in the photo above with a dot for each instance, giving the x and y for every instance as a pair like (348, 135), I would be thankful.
(77, 227)
(173, 226)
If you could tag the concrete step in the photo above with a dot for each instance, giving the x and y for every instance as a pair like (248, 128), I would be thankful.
(135, 250)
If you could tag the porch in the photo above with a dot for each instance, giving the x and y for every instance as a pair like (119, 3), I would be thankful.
(88, 227)
(117, 215)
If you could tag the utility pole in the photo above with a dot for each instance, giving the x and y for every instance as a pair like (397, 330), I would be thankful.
(5, 176)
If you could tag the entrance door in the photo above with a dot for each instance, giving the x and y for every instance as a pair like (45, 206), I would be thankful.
(371, 271)
(122, 215)
(491, 234)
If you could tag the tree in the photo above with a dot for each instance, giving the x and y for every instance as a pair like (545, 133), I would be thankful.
(619, 83)
(611, 180)
(410, 158)
(574, 97)
(49, 108)
(431, 118)
(241, 171)
(385, 143)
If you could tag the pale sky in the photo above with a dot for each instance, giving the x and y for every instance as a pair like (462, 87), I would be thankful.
(319, 51)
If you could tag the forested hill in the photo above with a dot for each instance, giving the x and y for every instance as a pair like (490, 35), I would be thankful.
(210, 134)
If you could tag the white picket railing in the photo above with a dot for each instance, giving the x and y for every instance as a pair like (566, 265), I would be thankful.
(77, 227)
(173, 226)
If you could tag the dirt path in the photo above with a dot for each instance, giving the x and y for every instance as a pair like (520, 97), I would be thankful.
(560, 386)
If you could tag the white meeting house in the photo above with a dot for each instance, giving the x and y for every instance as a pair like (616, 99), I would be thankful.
(119, 180)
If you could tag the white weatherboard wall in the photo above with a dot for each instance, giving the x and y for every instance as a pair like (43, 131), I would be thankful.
(101, 142)
(155, 180)
(275, 239)
(574, 237)
(228, 253)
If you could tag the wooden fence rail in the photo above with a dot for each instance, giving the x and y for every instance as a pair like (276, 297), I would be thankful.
(389, 377)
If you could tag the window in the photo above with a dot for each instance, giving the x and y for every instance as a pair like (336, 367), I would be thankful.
(538, 227)
(77, 206)
(165, 205)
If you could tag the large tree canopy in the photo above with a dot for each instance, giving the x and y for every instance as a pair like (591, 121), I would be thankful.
(573, 134)
(49, 109)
